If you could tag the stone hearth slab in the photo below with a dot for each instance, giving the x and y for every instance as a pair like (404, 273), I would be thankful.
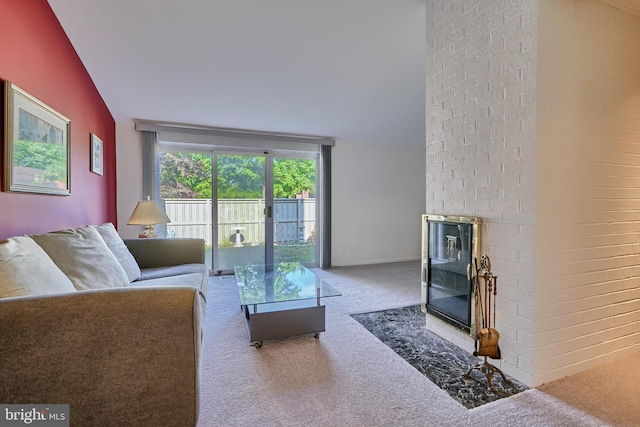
(404, 331)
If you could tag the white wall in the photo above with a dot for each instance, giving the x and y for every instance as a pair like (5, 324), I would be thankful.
(129, 175)
(378, 197)
(587, 306)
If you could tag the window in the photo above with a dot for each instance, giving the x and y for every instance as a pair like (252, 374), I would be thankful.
(255, 198)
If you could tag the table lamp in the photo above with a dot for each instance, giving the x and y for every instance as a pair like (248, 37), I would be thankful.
(148, 213)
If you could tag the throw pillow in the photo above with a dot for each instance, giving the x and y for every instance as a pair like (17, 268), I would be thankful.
(119, 249)
(84, 257)
(25, 269)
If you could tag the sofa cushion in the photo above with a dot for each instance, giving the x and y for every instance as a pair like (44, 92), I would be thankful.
(25, 269)
(173, 270)
(84, 257)
(119, 249)
(193, 275)
(187, 280)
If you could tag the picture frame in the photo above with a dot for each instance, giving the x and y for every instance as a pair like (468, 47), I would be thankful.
(97, 155)
(37, 145)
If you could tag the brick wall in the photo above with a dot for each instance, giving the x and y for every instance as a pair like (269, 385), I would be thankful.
(480, 101)
(587, 306)
(533, 124)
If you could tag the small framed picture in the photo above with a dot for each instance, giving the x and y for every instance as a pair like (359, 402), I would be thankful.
(96, 155)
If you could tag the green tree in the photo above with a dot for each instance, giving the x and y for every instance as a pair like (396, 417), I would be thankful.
(240, 177)
(293, 176)
(185, 175)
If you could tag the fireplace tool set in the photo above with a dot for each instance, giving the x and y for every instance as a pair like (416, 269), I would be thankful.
(486, 335)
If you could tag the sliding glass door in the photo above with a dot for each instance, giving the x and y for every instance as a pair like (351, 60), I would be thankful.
(242, 210)
(295, 207)
(250, 207)
(266, 209)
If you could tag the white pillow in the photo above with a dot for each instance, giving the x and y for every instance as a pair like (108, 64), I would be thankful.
(84, 257)
(119, 249)
(25, 269)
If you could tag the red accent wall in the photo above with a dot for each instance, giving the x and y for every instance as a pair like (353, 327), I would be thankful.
(37, 56)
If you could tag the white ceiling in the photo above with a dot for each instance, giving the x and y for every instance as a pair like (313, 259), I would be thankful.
(350, 69)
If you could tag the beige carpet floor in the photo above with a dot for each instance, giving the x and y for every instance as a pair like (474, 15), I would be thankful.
(610, 391)
(349, 378)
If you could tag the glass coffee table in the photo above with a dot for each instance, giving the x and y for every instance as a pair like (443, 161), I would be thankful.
(282, 300)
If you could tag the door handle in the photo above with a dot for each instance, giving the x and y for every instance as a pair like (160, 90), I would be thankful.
(269, 212)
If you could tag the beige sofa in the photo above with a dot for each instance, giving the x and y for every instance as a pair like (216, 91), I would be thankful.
(113, 330)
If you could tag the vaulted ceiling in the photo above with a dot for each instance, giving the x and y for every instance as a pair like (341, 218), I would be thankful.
(350, 69)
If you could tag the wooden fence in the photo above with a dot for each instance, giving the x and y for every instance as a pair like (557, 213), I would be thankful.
(294, 219)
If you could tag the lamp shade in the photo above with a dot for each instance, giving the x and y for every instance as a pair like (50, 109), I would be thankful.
(148, 213)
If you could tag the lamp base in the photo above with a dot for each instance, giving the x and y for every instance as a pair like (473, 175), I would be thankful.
(148, 232)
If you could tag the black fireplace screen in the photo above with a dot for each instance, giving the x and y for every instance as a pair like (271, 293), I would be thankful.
(449, 246)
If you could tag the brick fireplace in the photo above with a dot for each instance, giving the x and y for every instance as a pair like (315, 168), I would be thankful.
(533, 124)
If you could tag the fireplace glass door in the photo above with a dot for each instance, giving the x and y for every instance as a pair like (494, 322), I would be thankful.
(449, 247)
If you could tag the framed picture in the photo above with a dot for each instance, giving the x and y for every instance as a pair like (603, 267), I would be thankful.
(37, 145)
(96, 155)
